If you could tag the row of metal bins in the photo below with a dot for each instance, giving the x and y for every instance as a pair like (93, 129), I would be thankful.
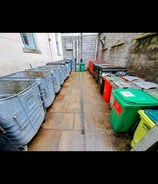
(66, 65)
(24, 98)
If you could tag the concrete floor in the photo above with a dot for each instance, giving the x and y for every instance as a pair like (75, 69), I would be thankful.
(78, 120)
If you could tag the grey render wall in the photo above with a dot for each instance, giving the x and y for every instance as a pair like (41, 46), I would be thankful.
(68, 54)
(115, 55)
(87, 43)
(89, 48)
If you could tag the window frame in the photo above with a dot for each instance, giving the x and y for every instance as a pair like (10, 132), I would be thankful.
(57, 44)
(34, 47)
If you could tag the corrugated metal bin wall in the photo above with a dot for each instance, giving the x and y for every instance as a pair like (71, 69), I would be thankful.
(21, 110)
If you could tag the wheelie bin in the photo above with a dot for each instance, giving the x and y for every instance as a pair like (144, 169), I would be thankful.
(127, 102)
(143, 85)
(121, 85)
(82, 65)
(131, 78)
(148, 119)
(107, 68)
(146, 84)
(108, 87)
(77, 67)
(91, 65)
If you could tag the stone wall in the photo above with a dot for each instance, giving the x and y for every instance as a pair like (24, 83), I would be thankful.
(143, 58)
(140, 56)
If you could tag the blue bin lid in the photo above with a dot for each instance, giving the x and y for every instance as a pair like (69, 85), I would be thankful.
(152, 114)
(136, 96)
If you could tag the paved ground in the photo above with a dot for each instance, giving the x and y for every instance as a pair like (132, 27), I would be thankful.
(78, 120)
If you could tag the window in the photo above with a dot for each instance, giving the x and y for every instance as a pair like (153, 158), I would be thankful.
(57, 44)
(28, 41)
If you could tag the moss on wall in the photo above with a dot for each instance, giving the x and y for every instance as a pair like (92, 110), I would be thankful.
(143, 60)
(143, 44)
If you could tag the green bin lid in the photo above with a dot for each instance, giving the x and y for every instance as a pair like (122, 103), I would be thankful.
(136, 96)
(152, 114)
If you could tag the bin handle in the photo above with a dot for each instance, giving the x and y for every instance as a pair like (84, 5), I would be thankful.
(2, 130)
(16, 119)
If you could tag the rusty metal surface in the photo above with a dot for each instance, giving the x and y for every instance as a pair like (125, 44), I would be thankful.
(62, 129)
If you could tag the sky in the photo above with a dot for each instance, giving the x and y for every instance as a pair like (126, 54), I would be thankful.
(77, 34)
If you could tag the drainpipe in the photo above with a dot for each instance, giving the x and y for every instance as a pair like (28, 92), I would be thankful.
(77, 52)
(50, 47)
(74, 57)
(81, 49)
(96, 47)
(73, 43)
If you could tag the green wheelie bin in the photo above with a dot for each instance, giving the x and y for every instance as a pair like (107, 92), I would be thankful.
(77, 67)
(127, 102)
(82, 67)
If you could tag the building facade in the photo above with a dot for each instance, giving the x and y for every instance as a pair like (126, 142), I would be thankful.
(20, 51)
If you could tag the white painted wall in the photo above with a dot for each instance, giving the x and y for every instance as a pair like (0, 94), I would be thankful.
(13, 58)
(53, 46)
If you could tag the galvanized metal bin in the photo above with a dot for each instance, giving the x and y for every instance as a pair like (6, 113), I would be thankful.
(62, 72)
(54, 73)
(56, 76)
(60, 69)
(44, 80)
(64, 68)
(63, 65)
(67, 68)
(21, 109)
(68, 63)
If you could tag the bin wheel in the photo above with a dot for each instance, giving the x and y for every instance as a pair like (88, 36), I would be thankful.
(23, 148)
